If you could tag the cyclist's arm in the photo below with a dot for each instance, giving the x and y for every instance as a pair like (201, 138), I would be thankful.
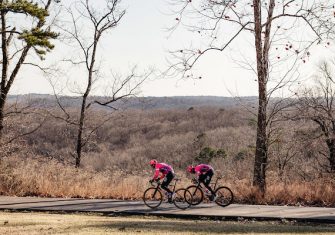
(162, 176)
(198, 174)
(156, 174)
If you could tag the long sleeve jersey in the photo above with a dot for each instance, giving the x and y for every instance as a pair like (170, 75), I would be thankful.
(162, 168)
(202, 169)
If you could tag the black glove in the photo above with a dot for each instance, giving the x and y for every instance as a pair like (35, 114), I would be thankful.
(150, 181)
(157, 180)
(194, 180)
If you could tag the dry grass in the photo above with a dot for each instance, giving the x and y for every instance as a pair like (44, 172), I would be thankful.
(315, 193)
(42, 223)
(53, 179)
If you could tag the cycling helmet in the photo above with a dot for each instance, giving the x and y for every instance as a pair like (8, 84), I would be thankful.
(153, 162)
(191, 169)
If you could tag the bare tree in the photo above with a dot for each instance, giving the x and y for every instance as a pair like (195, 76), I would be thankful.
(18, 40)
(317, 104)
(97, 23)
(284, 146)
(292, 26)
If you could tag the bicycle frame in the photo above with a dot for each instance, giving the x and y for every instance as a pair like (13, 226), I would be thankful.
(158, 186)
(201, 187)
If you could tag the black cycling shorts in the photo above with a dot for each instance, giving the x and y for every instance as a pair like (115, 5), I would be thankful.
(207, 177)
(167, 180)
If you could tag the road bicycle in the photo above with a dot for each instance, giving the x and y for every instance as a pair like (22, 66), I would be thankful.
(224, 196)
(153, 196)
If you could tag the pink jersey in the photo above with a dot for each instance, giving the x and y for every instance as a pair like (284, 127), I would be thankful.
(202, 169)
(162, 168)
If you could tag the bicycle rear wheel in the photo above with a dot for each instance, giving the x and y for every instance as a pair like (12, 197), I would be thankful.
(224, 196)
(181, 197)
(152, 197)
(197, 195)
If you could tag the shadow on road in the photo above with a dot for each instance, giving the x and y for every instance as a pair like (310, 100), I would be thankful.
(40, 201)
(213, 227)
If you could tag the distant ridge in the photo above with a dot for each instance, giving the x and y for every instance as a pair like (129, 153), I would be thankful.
(173, 102)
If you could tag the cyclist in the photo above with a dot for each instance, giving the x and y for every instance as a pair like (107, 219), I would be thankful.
(166, 172)
(205, 173)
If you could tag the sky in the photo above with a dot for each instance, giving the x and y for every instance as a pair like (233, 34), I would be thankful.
(142, 39)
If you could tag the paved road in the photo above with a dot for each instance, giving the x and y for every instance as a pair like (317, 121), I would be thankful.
(112, 207)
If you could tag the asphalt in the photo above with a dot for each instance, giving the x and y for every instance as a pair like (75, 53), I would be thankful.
(209, 210)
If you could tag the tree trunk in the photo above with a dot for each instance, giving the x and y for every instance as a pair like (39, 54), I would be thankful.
(4, 70)
(2, 106)
(261, 152)
(83, 104)
(331, 147)
(280, 171)
(80, 133)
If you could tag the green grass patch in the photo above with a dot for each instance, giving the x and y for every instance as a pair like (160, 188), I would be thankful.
(45, 223)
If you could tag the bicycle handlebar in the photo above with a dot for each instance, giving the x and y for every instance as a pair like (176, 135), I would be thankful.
(155, 183)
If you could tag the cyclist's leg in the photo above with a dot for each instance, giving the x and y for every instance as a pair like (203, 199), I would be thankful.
(202, 178)
(207, 179)
(167, 180)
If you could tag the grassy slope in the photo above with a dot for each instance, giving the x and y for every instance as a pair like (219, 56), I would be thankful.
(42, 223)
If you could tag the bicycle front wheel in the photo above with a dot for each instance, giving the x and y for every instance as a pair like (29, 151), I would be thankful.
(152, 197)
(197, 195)
(224, 196)
(181, 197)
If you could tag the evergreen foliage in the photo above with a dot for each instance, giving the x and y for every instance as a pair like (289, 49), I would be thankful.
(207, 154)
(25, 7)
(35, 37)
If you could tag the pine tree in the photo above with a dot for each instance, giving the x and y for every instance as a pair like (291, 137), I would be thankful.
(36, 38)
